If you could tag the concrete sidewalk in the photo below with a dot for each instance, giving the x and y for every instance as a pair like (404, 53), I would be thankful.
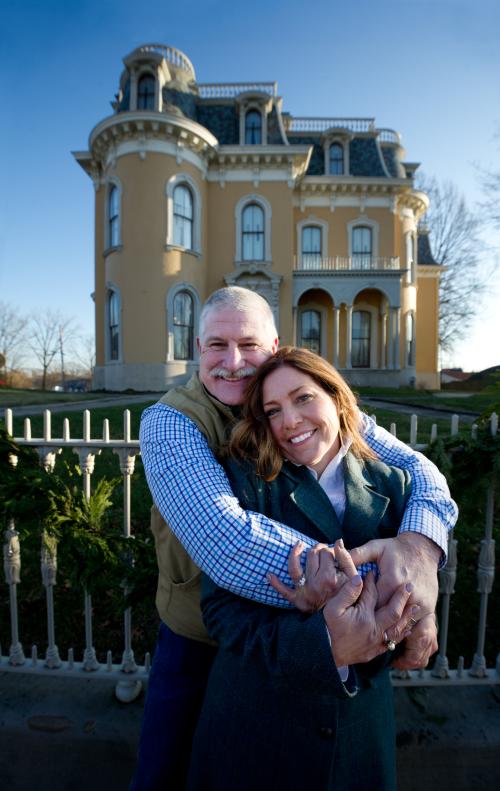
(64, 734)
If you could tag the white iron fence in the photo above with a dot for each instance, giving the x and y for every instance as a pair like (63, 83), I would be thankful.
(128, 674)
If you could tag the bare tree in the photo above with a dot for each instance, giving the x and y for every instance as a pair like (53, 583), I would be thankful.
(85, 354)
(50, 333)
(12, 335)
(455, 236)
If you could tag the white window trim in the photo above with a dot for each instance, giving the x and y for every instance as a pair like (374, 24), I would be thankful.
(112, 289)
(238, 214)
(170, 319)
(112, 181)
(374, 315)
(312, 220)
(412, 362)
(364, 221)
(262, 106)
(135, 76)
(172, 183)
(323, 311)
(341, 141)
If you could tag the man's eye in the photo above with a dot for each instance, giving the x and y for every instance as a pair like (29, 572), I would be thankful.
(249, 346)
(216, 346)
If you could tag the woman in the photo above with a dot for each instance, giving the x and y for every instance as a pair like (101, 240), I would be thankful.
(294, 700)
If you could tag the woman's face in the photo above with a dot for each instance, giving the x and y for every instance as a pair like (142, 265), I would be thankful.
(302, 417)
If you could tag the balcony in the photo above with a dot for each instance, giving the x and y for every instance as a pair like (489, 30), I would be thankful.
(313, 262)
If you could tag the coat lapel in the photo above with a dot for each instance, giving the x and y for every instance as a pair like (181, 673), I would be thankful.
(364, 506)
(311, 500)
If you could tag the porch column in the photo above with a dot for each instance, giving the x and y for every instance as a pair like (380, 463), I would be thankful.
(390, 340)
(397, 319)
(383, 340)
(294, 326)
(348, 336)
(336, 337)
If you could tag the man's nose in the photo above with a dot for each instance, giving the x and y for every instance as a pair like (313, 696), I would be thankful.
(233, 357)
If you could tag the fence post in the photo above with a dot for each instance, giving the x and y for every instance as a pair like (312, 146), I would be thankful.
(12, 569)
(87, 462)
(486, 569)
(127, 690)
(447, 579)
(48, 564)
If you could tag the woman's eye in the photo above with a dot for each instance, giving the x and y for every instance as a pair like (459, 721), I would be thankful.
(304, 397)
(271, 413)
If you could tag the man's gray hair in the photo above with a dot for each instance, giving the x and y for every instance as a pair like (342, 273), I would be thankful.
(242, 299)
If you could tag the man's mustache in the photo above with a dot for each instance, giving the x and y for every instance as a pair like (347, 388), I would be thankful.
(241, 373)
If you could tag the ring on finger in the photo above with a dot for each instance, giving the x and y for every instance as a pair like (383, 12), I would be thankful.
(411, 623)
(391, 645)
(301, 582)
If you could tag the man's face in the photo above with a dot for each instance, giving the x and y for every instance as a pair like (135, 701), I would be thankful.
(234, 344)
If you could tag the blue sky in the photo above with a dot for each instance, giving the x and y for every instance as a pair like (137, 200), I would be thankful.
(428, 68)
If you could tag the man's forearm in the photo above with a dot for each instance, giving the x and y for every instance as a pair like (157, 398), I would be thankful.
(430, 510)
(236, 548)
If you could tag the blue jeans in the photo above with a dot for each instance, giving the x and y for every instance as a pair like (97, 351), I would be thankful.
(177, 683)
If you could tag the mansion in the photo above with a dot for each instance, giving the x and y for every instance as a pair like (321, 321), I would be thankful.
(202, 185)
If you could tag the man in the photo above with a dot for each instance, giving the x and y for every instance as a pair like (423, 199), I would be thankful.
(237, 549)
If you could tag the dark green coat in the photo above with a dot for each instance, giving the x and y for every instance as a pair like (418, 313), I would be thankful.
(276, 715)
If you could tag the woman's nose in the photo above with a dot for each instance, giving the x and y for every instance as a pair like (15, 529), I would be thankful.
(291, 417)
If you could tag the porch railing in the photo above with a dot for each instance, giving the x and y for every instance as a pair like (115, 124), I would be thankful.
(128, 674)
(314, 262)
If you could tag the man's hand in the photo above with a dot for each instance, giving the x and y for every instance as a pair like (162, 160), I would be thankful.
(408, 557)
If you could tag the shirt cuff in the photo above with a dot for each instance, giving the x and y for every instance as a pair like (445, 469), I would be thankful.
(344, 670)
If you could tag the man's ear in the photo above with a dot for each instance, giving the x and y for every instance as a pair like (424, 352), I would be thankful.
(198, 345)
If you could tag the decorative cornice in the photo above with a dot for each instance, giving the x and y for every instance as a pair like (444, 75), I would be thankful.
(292, 159)
(142, 126)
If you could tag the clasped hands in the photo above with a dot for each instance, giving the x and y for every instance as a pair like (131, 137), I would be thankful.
(362, 617)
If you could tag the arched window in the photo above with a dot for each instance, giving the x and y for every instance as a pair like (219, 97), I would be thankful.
(113, 217)
(146, 92)
(183, 217)
(336, 160)
(253, 128)
(310, 330)
(183, 326)
(361, 247)
(361, 337)
(311, 247)
(410, 339)
(114, 325)
(252, 233)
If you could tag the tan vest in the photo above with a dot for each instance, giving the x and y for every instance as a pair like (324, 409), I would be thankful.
(178, 593)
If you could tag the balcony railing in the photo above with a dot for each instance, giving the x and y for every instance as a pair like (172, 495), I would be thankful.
(322, 124)
(129, 674)
(229, 90)
(312, 262)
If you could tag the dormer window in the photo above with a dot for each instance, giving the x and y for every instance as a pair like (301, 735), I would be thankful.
(336, 160)
(146, 89)
(253, 128)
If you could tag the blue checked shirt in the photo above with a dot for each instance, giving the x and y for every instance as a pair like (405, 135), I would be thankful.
(237, 548)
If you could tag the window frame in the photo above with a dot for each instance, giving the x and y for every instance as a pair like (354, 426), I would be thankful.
(142, 78)
(257, 112)
(170, 302)
(113, 338)
(239, 208)
(367, 340)
(183, 179)
(113, 221)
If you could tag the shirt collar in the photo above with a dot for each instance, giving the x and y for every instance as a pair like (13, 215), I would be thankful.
(332, 467)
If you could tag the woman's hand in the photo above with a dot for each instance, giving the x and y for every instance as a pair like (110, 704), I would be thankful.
(358, 631)
(323, 576)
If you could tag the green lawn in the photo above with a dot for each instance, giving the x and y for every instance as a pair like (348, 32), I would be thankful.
(11, 397)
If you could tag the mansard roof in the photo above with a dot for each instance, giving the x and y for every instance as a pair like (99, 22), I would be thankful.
(424, 252)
